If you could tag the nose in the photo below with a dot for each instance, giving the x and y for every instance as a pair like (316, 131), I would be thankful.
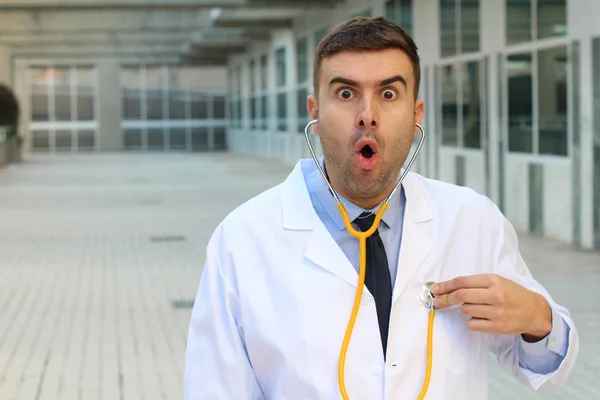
(368, 115)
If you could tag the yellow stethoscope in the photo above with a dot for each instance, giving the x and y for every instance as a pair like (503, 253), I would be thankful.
(425, 295)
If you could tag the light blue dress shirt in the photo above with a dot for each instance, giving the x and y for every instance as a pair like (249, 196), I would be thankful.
(542, 357)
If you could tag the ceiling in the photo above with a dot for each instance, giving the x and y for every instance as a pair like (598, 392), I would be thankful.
(196, 32)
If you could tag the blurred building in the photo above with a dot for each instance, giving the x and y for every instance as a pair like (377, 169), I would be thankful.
(511, 87)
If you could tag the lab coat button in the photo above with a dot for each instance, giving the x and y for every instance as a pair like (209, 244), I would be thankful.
(376, 370)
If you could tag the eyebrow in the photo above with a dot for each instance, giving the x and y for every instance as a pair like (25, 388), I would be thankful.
(350, 82)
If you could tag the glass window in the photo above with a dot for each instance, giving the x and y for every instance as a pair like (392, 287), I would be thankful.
(551, 18)
(154, 93)
(263, 72)
(596, 93)
(219, 107)
(461, 111)
(178, 95)
(199, 106)
(86, 139)
(406, 13)
(85, 94)
(63, 140)
(520, 102)
(132, 94)
(40, 140)
(552, 95)
(282, 111)
(302, 60)
(518, 21)
(220, 138)
(364, 13)
(132, 139)
(400, 12)
(40, 89)
(177, 139)
(155, 138)
(469, 26)
(264, 108)
(319, 35)
(280, 67)
(471, 92)
(62, 93)
(253, 113)
(252, 76)
(199, 138)
(449, 87)
(302, 109)
(448, 27)
(390, 10)
(457, 38)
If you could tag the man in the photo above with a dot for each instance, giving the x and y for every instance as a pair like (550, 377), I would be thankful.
(281, 272)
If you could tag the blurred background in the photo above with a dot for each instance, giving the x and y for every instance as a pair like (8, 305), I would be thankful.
(129, 129)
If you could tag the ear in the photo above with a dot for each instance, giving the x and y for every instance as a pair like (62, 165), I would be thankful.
(313, 111)
(419, 114)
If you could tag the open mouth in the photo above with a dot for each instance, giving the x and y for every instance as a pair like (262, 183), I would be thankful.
(367, 151)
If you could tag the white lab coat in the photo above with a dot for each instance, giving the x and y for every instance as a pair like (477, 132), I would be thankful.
(276, 294)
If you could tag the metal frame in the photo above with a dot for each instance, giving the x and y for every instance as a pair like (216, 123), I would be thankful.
(165, 124)
(74, 126)
(534, 48)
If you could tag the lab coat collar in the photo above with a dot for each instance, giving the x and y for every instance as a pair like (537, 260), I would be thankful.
(299, 213)
(417, 237)
(321, 190)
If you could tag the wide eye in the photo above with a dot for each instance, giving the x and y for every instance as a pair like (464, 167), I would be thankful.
(345, 93)
(389, 94)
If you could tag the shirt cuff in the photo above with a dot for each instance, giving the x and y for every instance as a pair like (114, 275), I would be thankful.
(556, 341)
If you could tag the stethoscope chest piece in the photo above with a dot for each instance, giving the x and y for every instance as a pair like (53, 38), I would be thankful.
(426, 296)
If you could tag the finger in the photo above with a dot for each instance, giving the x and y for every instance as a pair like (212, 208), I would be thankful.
(462, 282)
(481, 325)
(460, 296)
(479, 311)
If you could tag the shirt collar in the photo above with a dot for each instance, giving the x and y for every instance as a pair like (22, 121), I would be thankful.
(324, 196)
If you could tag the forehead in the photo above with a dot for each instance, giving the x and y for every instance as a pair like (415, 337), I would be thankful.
(368, 67)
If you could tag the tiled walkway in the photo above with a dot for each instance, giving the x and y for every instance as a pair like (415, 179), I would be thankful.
(98, 255)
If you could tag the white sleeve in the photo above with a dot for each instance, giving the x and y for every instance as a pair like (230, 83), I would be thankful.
(508, 262)
(216, 362)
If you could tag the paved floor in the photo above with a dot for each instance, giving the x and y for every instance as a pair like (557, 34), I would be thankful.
(98, 255)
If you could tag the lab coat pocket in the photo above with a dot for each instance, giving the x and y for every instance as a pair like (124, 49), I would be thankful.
(458, 350)
(457, 341)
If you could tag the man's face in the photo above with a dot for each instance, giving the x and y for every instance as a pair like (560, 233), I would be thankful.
(367, 113)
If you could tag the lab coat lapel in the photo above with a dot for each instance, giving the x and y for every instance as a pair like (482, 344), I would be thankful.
(325, 252)
(417, 234)
(300, 215)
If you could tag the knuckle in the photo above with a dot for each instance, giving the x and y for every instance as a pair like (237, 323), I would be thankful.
(499, 297)
(458, 281)
(460, 295)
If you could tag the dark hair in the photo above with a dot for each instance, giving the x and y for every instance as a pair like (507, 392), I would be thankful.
(366, 33)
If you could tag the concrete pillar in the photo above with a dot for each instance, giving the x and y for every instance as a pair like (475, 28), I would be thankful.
(110, 136)
(5, 66)
(427, 37)
(583, 27)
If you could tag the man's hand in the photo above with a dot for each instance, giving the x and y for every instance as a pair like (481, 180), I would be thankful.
(497, 305)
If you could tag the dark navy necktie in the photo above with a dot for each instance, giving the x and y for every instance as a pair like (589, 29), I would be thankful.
(377, 276)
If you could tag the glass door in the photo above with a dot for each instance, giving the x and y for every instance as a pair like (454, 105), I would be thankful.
(596, 83)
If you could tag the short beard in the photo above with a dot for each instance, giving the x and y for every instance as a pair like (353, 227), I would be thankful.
(363, 186)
